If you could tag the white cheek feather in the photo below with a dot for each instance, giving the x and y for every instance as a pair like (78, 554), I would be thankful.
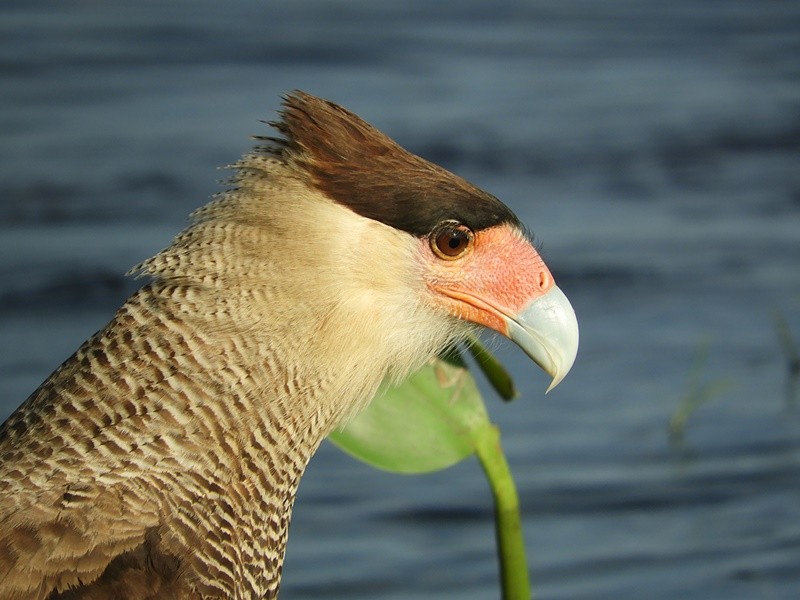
(386, 318)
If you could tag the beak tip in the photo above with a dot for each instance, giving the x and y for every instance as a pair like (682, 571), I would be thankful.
(547, 330)
(558, 378)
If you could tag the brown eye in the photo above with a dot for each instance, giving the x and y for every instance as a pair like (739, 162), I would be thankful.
(451, 240)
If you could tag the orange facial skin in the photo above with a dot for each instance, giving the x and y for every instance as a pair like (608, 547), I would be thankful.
(494, 279)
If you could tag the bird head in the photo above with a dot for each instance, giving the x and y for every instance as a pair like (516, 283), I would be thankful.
(357, 260)
(473, 260)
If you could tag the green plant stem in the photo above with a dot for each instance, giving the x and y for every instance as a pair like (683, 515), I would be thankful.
(514, 576)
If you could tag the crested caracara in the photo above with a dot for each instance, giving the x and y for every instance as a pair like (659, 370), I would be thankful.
(161, 459)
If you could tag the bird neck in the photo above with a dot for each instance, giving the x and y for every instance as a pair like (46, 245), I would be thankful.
(274, 327)
(242, 415)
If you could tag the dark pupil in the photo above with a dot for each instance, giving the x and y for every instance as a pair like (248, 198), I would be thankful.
(451, 241)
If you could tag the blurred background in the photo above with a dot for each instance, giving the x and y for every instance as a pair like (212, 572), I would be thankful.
(652, 147)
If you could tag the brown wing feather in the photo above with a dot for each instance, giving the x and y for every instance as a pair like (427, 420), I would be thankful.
(78, 458)
(61, 523)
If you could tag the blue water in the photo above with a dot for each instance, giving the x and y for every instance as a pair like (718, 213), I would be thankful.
(652, 147)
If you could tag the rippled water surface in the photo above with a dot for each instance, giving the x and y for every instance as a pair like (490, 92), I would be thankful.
(652, 147)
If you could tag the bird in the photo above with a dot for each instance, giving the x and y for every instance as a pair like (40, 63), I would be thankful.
(162, 459)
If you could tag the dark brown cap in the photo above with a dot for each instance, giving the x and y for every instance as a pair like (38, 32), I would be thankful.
(361, 168)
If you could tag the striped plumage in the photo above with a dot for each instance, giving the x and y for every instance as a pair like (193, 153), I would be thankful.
(161, 460)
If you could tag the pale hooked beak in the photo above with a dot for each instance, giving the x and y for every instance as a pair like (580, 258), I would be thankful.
(547, 330)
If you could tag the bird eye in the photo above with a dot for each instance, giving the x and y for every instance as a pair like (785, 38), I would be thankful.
(451, 240)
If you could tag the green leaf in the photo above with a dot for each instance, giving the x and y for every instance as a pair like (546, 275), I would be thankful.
(435, 419)
(425, 424)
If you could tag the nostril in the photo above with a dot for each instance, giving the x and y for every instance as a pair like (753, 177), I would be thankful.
(545, 280)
